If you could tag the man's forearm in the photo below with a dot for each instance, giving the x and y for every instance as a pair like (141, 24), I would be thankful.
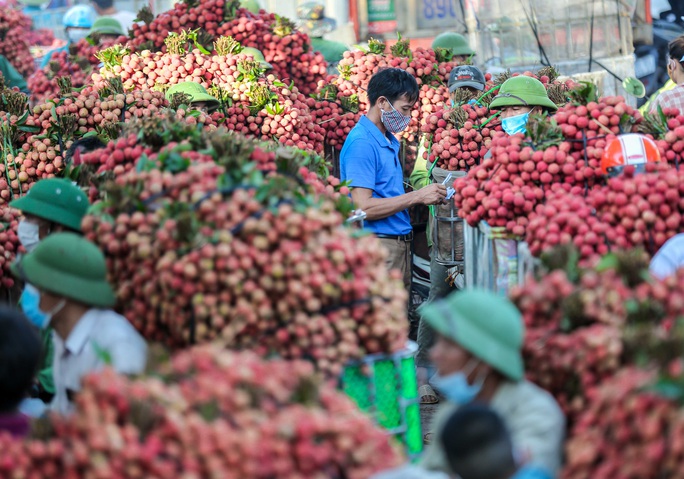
(380, 208)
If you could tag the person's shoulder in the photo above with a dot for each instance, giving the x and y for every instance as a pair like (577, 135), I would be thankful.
(112, 326)
(529, 394)
(359, 136)
(677, 241)
(670, 95)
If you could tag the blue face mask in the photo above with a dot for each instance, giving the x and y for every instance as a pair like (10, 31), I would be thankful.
(515, 124)
(30, 305)
(455, 386)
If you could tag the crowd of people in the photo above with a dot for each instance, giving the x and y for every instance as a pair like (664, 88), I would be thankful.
(470, 341)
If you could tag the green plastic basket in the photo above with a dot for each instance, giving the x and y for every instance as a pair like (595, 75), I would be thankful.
(385, 386)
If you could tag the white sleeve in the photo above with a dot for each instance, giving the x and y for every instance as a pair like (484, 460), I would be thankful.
(669, 258)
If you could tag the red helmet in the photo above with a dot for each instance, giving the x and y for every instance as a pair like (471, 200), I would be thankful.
(630, 149)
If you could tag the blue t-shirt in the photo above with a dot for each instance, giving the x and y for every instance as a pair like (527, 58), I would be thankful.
(370, 160)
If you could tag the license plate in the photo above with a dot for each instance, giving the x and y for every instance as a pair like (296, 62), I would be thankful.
(645, 66)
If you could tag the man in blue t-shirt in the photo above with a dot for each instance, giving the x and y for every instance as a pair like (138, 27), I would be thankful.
(370, 161)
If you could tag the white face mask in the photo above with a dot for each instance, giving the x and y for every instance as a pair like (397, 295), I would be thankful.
(29, 235)
(47, 316)
(76, 34)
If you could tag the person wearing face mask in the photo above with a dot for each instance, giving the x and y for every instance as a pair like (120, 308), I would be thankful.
(50, 206)
(370, 162)
(77, 23)
(478, 357)
(471, 79)
(75, 298)
(518, 98)
(673, 98)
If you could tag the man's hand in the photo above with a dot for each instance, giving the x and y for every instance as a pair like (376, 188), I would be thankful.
(433, 194)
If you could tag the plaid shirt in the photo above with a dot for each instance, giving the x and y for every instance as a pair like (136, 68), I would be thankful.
(670, 99)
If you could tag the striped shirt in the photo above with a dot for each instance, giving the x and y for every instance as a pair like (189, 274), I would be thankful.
(670, 99)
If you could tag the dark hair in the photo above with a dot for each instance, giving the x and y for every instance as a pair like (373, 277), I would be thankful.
(104, 4)
(20, 351)
(477, 444)
(676, 48)
(85, 145)
(392, 83)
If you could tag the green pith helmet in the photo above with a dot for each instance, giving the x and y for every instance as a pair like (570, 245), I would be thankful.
(258, 56)
(522, 91)
(56, 200)
(453, 41)
(106, 26)
(194, 90)
(483, 323)
(70, 266)
(251, 5)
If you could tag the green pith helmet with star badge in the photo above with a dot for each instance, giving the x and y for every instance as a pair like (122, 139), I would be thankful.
(56, 200)
(523, 91)
(70, 266)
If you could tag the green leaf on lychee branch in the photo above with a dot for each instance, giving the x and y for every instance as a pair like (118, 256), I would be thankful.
(145, 15)
(65, 86)
(176, 43)
(443, 55)
(345, 71)
(350, 103)
(15, 103)
(585, 92)
(543, 131)
(227, 45)
(328, 92)
(283, 26)
(204, 42)
(112, 56)
(402, 48)
(250, 70)
(376, 46)
(654, 124)
(230, 9)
